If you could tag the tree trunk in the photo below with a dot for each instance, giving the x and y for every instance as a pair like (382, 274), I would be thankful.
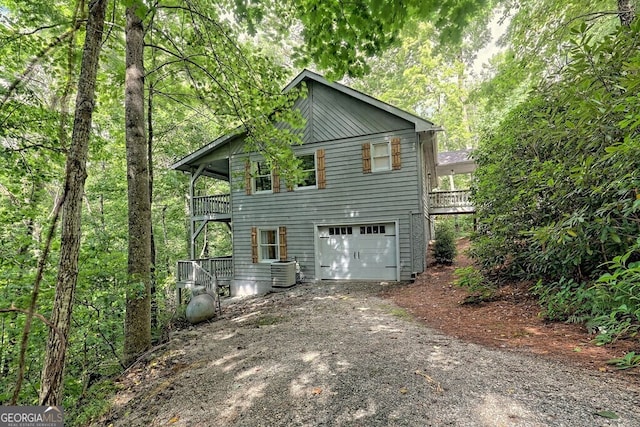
(76, 174)
(626, 12)
(153, 277)
(137, 327)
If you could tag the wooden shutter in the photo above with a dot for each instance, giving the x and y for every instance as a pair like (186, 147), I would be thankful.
(282, 231)
(275, 181)
(396, 162)
(322, 177)
(366, 158)
(247, 177)
(254, 245)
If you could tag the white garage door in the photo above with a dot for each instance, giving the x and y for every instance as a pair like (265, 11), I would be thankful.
(366, 251)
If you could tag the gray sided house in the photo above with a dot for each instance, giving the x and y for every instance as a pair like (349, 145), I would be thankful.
(362, 214)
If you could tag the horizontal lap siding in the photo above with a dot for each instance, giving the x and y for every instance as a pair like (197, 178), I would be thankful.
(350, 197)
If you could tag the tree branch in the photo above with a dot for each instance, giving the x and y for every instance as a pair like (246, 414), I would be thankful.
(36, 60)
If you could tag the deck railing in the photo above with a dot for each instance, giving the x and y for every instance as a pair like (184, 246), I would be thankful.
(450, 199)
(191, 270)
(209, 205)
(196, 275)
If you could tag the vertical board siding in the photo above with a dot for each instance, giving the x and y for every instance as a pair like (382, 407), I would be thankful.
(333, 115)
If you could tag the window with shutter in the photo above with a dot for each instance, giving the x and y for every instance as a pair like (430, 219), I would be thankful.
(308, 167)
(268, 244)
(262, 179)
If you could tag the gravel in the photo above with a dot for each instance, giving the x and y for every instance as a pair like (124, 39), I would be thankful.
(335, 354)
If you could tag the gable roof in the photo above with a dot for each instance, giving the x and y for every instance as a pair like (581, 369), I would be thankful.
(420, 124)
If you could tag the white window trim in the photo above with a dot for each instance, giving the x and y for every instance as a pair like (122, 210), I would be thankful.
(260, 245)
(374, 157)
(315, 171)
(254, 176)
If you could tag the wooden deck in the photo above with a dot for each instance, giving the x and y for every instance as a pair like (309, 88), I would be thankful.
(207, 272)
(450, 202)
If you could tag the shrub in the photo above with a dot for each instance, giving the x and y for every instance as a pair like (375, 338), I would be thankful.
(444, 250)
(471, 279)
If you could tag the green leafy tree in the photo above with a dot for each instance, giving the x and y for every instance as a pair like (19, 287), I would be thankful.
(556, 190)
(52, 376)
(444, 248)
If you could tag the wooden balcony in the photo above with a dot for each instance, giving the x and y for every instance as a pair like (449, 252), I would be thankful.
(450, 202)
(212, 207)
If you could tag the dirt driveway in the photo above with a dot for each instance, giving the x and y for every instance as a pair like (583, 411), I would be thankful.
(338, 354)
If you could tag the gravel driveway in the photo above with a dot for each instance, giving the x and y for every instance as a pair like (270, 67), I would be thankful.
(335, 354)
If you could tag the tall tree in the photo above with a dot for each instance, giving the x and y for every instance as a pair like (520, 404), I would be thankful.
(76, 174)
(138, 312)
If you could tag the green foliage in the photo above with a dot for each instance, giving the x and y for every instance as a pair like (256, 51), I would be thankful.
(444, 249)
(434, 83)
(471, 279)
(564, 299)
(95, 403)
(343, 36)
(556, 191)
(628, 361)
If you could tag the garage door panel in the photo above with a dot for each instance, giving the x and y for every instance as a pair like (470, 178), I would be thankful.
(358, 252)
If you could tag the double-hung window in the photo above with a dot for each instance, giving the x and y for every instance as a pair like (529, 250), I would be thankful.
(268, 245)
(262, 180)
(381, 157)
(308, 169)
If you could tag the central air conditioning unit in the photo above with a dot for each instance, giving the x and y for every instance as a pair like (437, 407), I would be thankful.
(283, 274)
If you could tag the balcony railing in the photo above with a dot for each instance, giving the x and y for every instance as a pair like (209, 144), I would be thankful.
(458, 201)
(211, 205)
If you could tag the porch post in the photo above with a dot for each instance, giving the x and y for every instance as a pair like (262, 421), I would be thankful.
(192, 222)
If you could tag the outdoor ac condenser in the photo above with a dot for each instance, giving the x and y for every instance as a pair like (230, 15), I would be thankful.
(283, 274)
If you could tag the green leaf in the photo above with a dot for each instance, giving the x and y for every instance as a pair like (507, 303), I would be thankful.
(607, 414)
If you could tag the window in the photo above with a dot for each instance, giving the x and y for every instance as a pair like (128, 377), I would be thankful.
(373, 229)
(268, 245)
(308, 168)
(381, 157)
(261, 177)
(337, 231)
